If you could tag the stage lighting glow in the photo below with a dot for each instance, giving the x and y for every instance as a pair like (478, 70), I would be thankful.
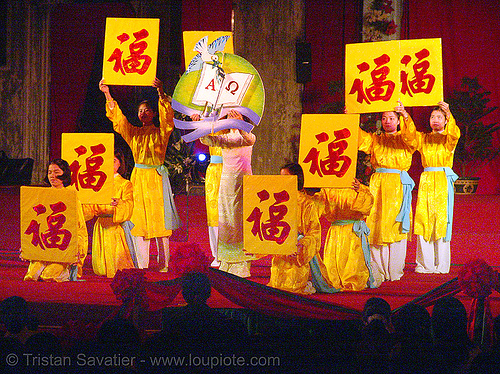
(202, 157)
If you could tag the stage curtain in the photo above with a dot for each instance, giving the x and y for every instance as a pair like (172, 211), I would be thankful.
(76, 30)
(330, 25)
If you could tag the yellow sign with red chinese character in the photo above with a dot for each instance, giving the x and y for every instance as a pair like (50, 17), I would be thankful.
(193, 38)
(130, 51)
(49, 222)
(90, 157)
(270, 214)
(329, 149)
(380, 74)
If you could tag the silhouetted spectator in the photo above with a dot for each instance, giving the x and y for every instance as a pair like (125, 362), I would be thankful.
(451, 343)
(413, 329)
(17, 318)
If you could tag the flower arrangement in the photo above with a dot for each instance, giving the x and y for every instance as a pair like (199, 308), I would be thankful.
(189, 258)
(378, 21)
(477, 279)
(129, 286)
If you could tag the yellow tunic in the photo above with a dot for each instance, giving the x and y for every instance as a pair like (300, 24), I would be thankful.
(292, 274)
(148, 145)
(212, 184)
(110, 251)
(392, 151)
(437, 150)
(56, 271)
(343, 254)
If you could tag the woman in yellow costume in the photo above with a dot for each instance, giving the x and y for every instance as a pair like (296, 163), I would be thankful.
(212, 184)
(390, 217)
(113, 246)
(347, 253)
(237, 148)
(154, 214)
(434, 211)
(292, 273)
(59, 176)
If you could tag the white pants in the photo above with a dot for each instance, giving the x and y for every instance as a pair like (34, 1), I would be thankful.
(143, 252)
(433, 256)
(388, 261)
(213, 236)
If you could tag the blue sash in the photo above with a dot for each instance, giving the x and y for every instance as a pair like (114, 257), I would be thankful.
(170, 216)
(216, 159)
(451, 177)
(408, 185)
(131, 241)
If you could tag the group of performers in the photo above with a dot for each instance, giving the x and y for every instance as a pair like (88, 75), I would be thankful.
(366, 242)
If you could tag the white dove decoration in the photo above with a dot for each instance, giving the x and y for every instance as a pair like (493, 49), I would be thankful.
(206, 53)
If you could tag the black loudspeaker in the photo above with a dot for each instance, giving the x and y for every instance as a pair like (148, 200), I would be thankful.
(303, 63)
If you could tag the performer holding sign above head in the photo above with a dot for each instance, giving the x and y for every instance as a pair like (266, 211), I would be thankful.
(237, 148)
(434, 211)
(390, 217)
(154, 214)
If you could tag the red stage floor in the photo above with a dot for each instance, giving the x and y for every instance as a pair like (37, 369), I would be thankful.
(476, 235)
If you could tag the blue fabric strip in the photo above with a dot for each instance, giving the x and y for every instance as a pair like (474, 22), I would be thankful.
(408, 185)
(317, 279)
(170, 216)
(362, 231)
(216, 159)
(208, 126)
(451, 177)
(131, 241)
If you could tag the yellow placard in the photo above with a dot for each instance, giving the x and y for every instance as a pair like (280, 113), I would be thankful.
(190, 39)
(130, 51)
(421, 72)
(49, 224)
(270, 214)
(90, 157)
(380, 74)
(328, 149)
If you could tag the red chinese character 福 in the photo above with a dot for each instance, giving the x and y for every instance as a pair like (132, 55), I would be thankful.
(273, 229)
(55, 236)
(336, 163)
(421, 80)
(136, 62)
(380, 88)
(91, 177)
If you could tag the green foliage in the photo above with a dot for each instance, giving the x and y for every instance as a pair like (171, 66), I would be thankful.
(469, 106)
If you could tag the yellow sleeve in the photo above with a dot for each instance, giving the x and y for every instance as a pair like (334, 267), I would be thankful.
(83, 237)
(409, 133)
(311, 228)
(123, 211)
(365, 141)
(88, 211)
(452, 132)
(166, 114)
(120, 123)
(364, 200)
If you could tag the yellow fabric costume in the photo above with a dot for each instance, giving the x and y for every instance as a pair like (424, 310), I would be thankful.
(437, 150)
(60, 272)
(292, 274)
(391, 151)
(148, 145)
(343, 255)
(212, 184)
(110, 251)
